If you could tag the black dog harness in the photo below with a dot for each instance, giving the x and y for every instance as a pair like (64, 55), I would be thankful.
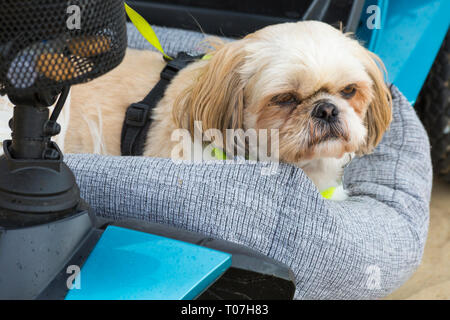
(138, 117)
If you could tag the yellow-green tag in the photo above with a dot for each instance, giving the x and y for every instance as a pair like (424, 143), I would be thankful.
(219, 154)
(207, 57)
(328, 193)
(145, 29)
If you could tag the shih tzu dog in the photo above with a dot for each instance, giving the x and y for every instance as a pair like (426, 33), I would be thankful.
(322, 90)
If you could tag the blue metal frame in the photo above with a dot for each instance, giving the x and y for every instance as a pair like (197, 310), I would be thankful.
(409, 39)
(127, 264)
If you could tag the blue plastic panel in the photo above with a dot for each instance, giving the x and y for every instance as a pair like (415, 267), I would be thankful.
(128, 264)
(410, 36)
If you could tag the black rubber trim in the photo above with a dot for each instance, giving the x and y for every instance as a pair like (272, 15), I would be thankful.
(355, 16)
(317, 10)
(235, 24)
(218, 22)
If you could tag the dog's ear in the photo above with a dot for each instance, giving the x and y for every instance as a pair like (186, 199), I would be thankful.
(379, 113)
(216, 96)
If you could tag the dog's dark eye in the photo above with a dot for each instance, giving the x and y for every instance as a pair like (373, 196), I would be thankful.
(285, 99)
(348, 92)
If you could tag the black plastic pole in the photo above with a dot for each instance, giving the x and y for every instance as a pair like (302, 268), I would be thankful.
(28, 138)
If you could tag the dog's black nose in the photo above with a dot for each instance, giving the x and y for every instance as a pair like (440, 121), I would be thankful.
(326, 111)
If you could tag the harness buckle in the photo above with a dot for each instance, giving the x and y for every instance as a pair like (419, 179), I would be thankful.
(174, 66)
(137, 115)
(169, 71)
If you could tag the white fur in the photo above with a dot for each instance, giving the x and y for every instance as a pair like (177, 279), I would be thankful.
(326, 172)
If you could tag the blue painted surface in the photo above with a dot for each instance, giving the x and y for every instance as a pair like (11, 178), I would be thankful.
(410, 36)
(128, 264)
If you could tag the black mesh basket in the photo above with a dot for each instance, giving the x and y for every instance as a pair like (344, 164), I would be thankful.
(45, 44)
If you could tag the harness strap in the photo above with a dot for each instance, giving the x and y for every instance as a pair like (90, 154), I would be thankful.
(138, 115)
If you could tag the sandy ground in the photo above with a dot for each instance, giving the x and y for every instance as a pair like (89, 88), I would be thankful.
(432, 278)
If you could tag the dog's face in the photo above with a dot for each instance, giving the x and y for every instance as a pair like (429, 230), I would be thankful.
(320, 88)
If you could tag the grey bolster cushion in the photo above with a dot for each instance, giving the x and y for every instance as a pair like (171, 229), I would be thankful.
(362, 248)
